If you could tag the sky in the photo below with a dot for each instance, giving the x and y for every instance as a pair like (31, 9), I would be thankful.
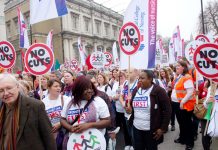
(170, 13)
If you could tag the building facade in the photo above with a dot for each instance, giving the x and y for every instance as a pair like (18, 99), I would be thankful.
(97, 26)
(2, 21)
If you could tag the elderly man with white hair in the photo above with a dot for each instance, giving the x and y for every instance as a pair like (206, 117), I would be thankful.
(24, 124)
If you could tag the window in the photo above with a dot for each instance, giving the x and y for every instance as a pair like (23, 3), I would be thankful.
(98, 27)
(8, 28)
(106, 28)
(16, 25)
(114, 31)
(75, 20)
(87, 24)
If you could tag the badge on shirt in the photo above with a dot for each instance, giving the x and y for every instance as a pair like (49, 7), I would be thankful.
(140, 102)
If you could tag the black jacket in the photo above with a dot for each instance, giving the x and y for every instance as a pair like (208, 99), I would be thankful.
(160, 109)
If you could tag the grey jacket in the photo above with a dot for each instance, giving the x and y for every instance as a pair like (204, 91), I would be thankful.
(34, 126)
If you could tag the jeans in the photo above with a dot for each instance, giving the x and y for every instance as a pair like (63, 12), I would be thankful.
(129, 129)
(144, 140)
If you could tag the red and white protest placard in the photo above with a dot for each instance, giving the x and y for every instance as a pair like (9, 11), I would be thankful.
(89, 139)
(190, 49)
(206, 60)
(129, 38)
(74, 65)
(109, 59)
(7, 55)
(202, 38)
(39, 59)
(215, 80)
(216, 41)
(97, 60)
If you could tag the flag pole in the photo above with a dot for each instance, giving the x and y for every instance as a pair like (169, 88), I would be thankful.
(21, 52)
(62, 40)
(127, 101)
(196, 81)
(31, 38)
(40, 87)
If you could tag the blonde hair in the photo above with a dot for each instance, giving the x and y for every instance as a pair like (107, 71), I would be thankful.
(104, 77)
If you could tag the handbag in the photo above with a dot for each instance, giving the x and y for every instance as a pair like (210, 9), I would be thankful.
(199, 109)
(60, 138)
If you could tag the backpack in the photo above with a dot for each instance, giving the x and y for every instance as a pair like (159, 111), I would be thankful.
(106, 87)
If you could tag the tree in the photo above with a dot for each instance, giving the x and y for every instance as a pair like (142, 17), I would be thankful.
(210, 18)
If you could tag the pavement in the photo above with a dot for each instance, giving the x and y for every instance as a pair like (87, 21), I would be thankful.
(169, 144)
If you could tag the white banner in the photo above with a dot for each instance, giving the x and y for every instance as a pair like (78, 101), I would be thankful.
(115, 54)
(144, 14)
(172, 58)
(158, 54)
(41, 10)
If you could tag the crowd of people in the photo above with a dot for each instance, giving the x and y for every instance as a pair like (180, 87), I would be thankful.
(142, 104)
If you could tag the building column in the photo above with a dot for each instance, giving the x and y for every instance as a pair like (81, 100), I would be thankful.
(64, 22)
(66, 50)
(69, 22)
(71, 50)
(81, 24)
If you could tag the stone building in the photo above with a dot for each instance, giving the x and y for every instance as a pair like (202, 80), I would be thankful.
(97, 26)
(2, 21)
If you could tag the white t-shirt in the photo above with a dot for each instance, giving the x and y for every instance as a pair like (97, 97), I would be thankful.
(142, 105)
(96, 110)
(54, 108)
(44, 93)
(115, 88)
(119, 106)
(187, 84)
(103, 88)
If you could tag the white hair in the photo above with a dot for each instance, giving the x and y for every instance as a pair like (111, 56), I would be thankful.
(8, 77)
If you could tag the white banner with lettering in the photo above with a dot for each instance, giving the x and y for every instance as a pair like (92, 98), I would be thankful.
(144, 14)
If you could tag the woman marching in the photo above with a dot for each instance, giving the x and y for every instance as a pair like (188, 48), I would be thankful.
(54, 102)
(151, 110)
(93, 111)
(183, 92)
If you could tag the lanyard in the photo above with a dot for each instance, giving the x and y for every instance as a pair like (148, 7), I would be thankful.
(132, 88)
(177, 79)
(164, 83)
(144, 91)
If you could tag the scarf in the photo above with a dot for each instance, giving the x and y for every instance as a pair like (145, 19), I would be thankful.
(12, 126)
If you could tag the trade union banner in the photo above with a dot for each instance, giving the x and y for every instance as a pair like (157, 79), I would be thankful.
(143, 13)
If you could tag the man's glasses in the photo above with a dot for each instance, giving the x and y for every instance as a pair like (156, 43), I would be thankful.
(7, 89)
